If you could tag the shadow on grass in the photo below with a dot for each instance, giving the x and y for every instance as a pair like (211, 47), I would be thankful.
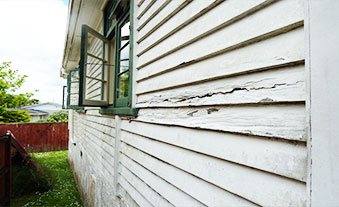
(51, 185)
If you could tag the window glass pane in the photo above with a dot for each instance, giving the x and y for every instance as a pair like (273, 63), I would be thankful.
(124, 53)
(124, 65)
(123, 75)
(123, 85)
(125, 29)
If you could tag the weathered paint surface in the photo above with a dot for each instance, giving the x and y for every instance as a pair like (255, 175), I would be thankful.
(221, 90)
(39, 137)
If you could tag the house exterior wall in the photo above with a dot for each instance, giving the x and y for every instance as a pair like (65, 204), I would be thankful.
(35, 118)
(322, 38)
(220, 87)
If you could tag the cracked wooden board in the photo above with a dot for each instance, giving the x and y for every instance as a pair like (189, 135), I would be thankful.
(272, 86)
(286, 121)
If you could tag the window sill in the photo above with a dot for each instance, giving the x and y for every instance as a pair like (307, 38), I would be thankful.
(77, 108)
(119, 111)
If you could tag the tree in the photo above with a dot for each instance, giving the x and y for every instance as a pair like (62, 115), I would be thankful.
(10, 82)
(59, 116)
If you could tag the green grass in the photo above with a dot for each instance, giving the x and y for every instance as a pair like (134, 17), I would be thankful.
(61, 189)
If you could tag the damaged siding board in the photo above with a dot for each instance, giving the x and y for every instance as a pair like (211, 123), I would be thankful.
(281, 50)
(208, 194)
(152, 196)
(279, 157)
(272, 86)
(257, 186)
(172, 194)
(279, 121)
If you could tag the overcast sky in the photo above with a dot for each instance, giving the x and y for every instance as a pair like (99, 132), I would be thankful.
(32, 37)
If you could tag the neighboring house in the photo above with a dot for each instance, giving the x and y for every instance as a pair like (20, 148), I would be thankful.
(204, 102)
(36, 115)
(40, 111)
(48, 107)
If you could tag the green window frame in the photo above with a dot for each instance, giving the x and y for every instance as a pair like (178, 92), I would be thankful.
(121, 105)
(70, 83)
(117, 14)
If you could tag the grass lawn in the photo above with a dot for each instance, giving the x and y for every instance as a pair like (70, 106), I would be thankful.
(56, 187)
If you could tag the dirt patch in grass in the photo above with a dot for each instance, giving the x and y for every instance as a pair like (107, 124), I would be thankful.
(25, 181)
(58, 187)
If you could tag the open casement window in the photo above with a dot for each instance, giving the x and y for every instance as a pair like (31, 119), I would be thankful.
(73, 83)
(94, 68)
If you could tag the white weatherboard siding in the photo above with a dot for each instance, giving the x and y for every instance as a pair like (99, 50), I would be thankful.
(220, 87)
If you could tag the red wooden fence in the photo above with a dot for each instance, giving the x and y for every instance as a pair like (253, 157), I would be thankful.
(39, 137)
(5, 170)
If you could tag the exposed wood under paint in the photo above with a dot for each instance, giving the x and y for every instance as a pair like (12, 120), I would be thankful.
(280, 121)
(272, 86)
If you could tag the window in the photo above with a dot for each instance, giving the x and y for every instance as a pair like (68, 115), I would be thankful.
(106, 62)
(73, 81)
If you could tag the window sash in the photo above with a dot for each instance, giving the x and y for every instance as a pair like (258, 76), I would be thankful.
(69, 90)
(122, 101)
(88, 75)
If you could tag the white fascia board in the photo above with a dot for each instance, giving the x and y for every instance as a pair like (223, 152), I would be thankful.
(80, 12)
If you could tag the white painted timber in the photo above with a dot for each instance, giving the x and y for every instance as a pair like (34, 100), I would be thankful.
(153, 11)
(140, 2)
(205, 192)
(259, 187)
(166, 190)
(275, 156)
(125, 199)
(136, 196)
(169, 11)
(144, 8)
(280, 121)
(152, 196)
(190, 12)
(280, 50)
(278, 85)
(271, 18)
(221, 16)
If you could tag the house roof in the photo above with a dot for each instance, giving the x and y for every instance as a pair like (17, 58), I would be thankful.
(42, 104)
(33, 112)
(79, 12)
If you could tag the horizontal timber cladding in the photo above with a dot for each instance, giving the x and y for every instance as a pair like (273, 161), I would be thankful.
(285, 84)
(245, 182)
(278, 51)
(282, 158)
(285, 121)
(220, 87)
(277, 17)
